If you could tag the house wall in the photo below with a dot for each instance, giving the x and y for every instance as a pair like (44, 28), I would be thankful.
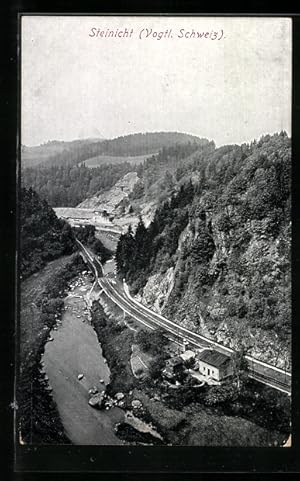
(226, 370)
(209, 371)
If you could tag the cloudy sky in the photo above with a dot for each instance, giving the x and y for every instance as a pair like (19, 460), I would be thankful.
(231, 86)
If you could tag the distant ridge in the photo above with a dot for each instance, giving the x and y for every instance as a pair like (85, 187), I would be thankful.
(47, 152)
(61, 152)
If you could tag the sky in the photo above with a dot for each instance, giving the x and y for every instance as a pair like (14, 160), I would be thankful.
(230, 86)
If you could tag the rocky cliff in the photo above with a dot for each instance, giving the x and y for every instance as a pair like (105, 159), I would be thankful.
(224, 270)
(114, 197)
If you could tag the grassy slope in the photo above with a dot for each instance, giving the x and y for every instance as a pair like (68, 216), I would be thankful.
(108, 239)
(198, 425)
(208, 429)
(114, 159)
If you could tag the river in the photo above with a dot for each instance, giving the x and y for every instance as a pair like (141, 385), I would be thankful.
(75, 350)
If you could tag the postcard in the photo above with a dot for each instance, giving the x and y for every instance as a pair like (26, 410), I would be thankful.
(155, 231)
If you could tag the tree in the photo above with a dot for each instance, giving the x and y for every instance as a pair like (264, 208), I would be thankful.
(240, 367)
(43, 236)
(141, 235)
(125, 253)
(156, 366)
(142, 246)
(203, 246)
(138, 190)
(153, 342)
(143, 339)
(168, 182)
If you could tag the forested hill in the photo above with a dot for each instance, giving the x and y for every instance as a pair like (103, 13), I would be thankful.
(147, 143)
(162, 174)
(62, 153)
(56, 152)
(216, 257)
(69, 184)
(44, 237)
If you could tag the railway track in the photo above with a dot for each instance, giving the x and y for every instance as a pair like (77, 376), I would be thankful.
(258, 370)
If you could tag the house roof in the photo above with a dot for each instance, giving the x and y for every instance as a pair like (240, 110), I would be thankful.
(214, 358)
(187, 355)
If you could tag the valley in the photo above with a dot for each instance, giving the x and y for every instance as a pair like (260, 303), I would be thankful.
(193, 241)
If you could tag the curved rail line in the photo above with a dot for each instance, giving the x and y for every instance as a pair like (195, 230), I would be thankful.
(152, 320)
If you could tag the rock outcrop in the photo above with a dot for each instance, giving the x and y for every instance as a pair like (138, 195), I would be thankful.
(221, 258)
(97, 400)
(157, 290)
(114, 197)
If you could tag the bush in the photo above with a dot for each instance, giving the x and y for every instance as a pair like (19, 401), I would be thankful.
(156, 366)
(152, 341)
(221, 394)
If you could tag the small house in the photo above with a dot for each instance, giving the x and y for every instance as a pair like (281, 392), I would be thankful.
(173, 365)
(187, 356)
(215, 365)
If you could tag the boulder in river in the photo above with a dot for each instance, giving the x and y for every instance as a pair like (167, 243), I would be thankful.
(93, 390)
(136, 404)
(96, 401)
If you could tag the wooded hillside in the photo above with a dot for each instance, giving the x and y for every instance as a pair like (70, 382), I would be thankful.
(64, 181)
(44, 237)
(221, 246)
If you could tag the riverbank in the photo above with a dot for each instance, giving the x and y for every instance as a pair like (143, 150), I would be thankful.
(116, 341)
(182, 416)
(41, 305)
(75, 366)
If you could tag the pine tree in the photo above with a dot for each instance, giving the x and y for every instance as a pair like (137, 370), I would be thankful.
(142, 246)
(125, 254)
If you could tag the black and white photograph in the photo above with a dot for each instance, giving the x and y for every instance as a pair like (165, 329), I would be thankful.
(154, 258)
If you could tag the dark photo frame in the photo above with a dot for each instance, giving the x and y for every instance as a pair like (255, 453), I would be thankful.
(122, 460)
